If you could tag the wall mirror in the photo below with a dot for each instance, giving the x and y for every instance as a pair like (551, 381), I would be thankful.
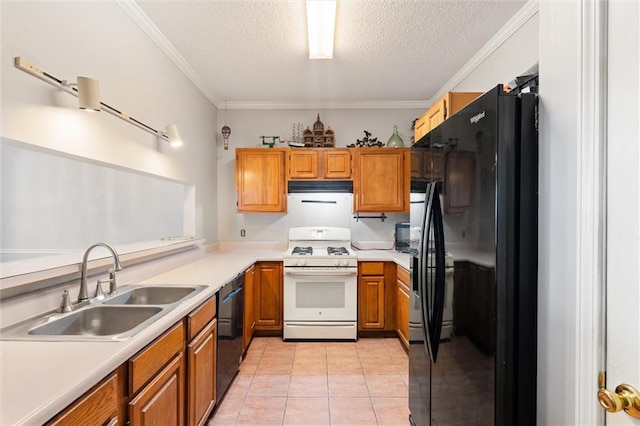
(54, 205)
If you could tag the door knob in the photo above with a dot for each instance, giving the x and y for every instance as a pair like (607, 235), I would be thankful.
(626, 398)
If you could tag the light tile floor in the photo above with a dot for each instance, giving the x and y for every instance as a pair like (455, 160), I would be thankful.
(319, 383)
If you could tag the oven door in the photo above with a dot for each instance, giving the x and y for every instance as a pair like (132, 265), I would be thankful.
(318, 295)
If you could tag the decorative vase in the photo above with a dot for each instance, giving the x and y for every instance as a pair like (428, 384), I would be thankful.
(395, 141)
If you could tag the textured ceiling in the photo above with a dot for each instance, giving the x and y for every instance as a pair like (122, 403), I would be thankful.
(385, 50)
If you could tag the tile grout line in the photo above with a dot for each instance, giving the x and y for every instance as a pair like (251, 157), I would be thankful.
(261, 353)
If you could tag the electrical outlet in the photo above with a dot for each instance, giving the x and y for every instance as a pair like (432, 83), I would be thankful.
(242, 233)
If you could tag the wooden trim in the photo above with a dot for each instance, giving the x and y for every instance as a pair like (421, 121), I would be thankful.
(592, 190)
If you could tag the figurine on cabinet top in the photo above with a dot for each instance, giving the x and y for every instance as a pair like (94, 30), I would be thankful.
(319, 137)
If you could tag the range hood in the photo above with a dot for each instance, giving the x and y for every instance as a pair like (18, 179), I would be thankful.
(324, 186)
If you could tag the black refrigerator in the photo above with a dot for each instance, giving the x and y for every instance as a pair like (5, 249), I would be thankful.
(474, 185)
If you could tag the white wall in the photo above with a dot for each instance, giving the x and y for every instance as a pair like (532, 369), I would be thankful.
(99, 40)
(517, 54)
(246, 128)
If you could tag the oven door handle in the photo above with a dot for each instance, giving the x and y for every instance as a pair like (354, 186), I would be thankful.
(323, 273)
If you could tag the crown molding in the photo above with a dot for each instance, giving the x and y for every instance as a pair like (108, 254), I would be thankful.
(529, 10)
(324, 105)
(132, 9)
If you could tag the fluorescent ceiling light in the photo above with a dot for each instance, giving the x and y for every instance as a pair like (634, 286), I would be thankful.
(321, 25)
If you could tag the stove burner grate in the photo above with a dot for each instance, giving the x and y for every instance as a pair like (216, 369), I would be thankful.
(337, 251)
(302, 251)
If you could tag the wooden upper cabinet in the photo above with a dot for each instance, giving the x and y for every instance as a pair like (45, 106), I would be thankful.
(319, 163)
(336, 163)
(436, 114)
(381, 179)
(303, 164)
(420, 128)
(260, 180)
(440, 110)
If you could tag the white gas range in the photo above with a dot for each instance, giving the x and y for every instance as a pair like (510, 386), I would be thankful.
(320, 284)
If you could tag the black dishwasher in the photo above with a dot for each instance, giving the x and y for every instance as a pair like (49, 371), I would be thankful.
(230, 319)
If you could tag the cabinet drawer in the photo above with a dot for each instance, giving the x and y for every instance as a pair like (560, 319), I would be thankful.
(200, 317)
(371, 268)
(149, 361)
(403, 275)
(98, 407)
(162, 401)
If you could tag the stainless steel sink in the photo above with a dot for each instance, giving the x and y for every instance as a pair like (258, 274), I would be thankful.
(99, 320)
(118, 317)
(150, 296)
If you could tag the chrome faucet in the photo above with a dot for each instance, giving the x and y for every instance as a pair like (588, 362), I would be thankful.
(82, 295)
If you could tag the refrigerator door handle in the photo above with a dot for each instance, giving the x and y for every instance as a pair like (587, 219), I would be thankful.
(424, 281)
(439, 274)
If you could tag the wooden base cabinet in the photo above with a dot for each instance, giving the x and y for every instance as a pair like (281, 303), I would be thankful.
(161, 384)
(267, 286)
(249, 324)
(371, 296)
(156, 381)
(202, 333)
(99, 406)
(162, 400)
(403, 305)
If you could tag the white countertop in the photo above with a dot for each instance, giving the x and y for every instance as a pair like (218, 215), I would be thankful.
(401, 259)
(40, 379)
